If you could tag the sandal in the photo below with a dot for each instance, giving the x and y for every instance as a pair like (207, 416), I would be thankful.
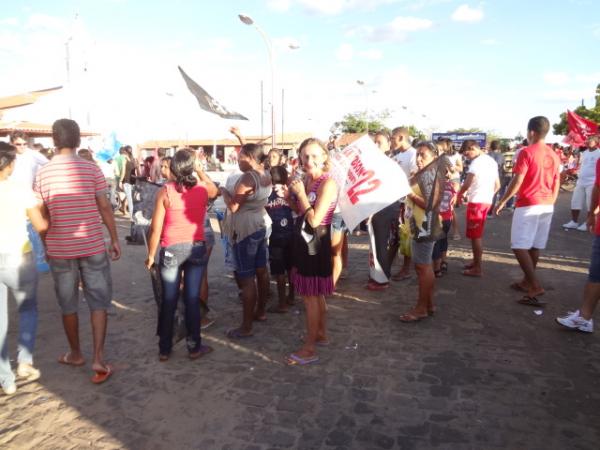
(410, 317)
(438, 273)
(236, 333)
(531, 301)
(471, 273)
(203, 350)
(295, 360)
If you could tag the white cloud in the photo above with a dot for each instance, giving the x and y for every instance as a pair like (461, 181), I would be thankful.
(395, 31)
(464, 13)
(279, 5)
(556, 78)
(10, 21)
(334, 7)
(372, 54)
(345, 52)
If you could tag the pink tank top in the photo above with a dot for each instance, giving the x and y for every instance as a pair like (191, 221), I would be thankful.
(184, 218)
(312, 199)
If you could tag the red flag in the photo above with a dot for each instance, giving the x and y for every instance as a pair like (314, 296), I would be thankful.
(580, 126)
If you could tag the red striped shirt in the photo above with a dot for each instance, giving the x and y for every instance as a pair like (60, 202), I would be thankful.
(68, 186)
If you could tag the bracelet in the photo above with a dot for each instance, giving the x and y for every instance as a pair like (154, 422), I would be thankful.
(307, 210)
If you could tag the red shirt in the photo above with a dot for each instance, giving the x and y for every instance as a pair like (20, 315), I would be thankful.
(597, 184)
(184, 218)
(68, 186)
(539, 165)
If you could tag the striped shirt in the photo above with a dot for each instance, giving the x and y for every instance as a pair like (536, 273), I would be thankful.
(68, 185)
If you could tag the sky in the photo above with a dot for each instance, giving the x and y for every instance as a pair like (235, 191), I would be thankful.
(435, 64)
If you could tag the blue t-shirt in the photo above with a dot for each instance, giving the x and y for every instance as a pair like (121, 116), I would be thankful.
(281, 214)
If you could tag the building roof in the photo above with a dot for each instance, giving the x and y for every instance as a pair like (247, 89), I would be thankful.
(14, 101)
(32, 129)
(289, 140)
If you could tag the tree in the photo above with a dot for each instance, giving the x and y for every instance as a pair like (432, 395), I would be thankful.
(465, 130)
(592, 114)
(358, 123)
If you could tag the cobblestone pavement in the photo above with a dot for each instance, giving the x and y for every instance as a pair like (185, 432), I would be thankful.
(483, 373)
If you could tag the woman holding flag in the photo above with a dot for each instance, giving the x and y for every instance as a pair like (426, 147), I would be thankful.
(315, 200)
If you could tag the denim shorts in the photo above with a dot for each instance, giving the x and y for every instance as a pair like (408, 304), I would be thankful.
(250, 254)
(94, 273)
(337, 224)
(422, 252)
(594, 275)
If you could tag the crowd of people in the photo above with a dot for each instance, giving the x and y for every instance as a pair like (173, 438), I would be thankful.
(282, 222)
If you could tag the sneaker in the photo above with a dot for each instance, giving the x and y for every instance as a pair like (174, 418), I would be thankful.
(572, 225)
(28, 371)
(575, 322)
(10, 389)
(582, 227)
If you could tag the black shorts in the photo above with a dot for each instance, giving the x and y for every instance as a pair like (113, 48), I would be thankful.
(280, 255)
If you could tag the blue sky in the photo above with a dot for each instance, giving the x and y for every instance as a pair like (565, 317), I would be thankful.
(438, 64)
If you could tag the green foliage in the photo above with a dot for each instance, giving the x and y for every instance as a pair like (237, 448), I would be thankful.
(592, 113)
(465, 130)
(358, 123)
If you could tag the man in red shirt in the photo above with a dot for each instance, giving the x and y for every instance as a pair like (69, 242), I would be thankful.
(536, 182)
(582, 318)
(73, 192)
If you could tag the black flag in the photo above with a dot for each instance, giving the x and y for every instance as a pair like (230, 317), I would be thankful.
(206, 102)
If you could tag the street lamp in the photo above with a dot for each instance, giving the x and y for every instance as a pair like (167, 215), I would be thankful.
(363, 85)
(247, 20)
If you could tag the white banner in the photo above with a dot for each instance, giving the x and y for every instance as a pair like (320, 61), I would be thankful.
(367, 180)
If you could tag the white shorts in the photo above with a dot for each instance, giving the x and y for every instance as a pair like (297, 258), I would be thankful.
(582, 197)
(530, 227)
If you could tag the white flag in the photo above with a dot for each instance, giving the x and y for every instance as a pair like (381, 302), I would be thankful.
(367, 180)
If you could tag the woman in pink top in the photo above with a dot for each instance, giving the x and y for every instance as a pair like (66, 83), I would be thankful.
(312, 270)
(178, 225)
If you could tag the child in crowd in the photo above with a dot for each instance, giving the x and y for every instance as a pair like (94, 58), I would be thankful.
(280, 242)
(440, 250)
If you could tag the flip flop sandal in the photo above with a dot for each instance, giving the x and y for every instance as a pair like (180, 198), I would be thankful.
(295, 360)
(204, 350)
(531, 301)
(470, 273)
(402, 277)
(409, 318)
(517, 287)
(101, 377)
(64, 359)
(235, 333)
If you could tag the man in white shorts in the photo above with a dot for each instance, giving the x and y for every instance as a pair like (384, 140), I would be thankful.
(536, 182)
(582, 195)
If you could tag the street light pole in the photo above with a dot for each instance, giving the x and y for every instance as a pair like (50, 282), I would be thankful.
(362, 84)
(248, 21)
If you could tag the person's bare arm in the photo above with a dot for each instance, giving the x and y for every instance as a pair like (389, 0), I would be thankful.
(496, 185)
(243, 189)
(417, 200)
(156, 226)
(211, 187)
(464, 188)
(39, 219)
(326, 194)
(106, 212)
(236, 132)
(511, 191)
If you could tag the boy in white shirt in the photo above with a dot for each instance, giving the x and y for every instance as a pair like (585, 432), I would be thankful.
(480, 186)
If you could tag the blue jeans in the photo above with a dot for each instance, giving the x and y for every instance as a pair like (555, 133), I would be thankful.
(594, 272)
(38, 249)
(250, 254)
(187, 260)
(21, 279)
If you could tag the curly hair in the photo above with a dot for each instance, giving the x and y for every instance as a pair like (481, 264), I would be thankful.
(182, 169)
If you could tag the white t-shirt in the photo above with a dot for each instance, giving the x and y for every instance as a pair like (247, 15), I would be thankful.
(15, 199)
(587, 167)
(485, 170)
(407, 160)
(27, 165)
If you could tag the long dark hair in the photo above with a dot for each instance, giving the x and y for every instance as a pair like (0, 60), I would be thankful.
(8, 153)
(182, 169)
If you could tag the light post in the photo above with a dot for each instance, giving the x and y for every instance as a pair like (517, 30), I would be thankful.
(363, 85)
(248, 21)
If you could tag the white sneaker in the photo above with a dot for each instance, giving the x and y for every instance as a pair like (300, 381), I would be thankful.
(572, 225)
(10, 389)
(575, 322)
(582, 227)
(28, 371)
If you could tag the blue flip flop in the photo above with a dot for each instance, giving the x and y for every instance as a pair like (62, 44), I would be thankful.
(295, 360)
